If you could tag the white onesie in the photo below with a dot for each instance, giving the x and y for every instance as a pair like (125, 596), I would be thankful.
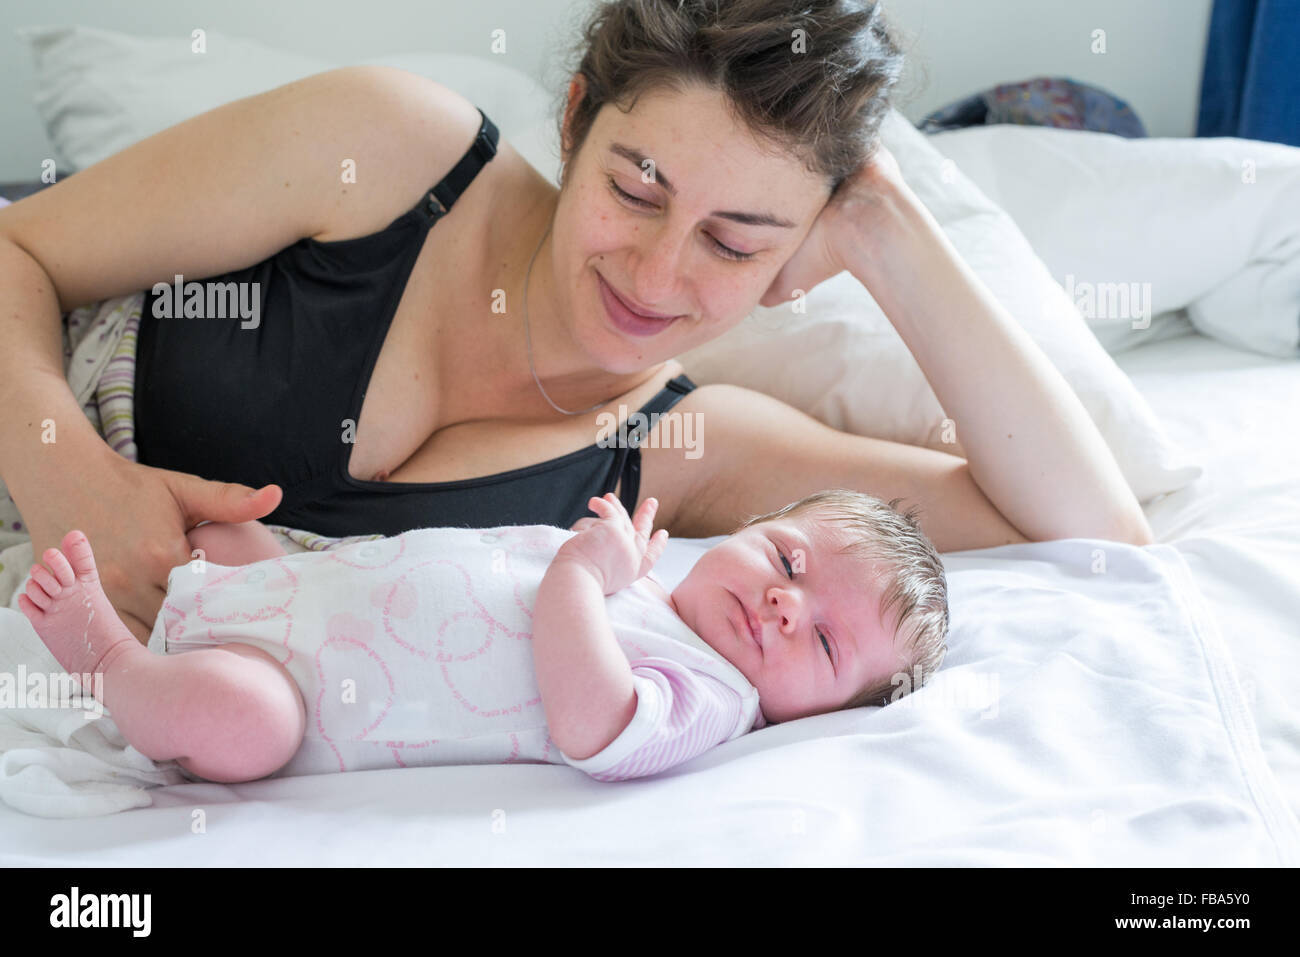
(417, 650)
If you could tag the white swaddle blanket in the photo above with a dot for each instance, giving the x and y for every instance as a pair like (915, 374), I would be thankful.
(417, 649)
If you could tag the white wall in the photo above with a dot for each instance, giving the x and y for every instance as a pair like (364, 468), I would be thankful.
(340, 31)
(1154, 51)
(1155, 48)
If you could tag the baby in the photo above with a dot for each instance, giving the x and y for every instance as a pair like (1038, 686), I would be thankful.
(265, 668)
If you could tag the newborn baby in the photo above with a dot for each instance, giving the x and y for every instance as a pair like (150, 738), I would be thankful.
(521, 643)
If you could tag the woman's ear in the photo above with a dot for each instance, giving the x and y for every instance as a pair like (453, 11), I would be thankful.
(577, 93)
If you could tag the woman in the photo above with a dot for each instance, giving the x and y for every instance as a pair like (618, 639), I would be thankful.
(717, 156)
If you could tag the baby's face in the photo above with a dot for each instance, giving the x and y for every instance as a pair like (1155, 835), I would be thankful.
(817, 635)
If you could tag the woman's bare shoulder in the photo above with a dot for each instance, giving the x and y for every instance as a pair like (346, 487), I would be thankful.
(423, 130)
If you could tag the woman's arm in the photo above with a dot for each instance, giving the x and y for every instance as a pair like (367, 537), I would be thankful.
(1030, 444)
(759, 454)
(216, 192)
(62, 475)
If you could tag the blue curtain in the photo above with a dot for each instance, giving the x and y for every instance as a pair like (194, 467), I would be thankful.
(1251, 83)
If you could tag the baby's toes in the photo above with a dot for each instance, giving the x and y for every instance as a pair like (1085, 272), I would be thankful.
(48, 582)
(59, 568)
(37, 595)
(77, 548)
(34, 614)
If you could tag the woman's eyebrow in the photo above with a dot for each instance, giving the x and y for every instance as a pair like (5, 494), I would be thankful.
(749, 219)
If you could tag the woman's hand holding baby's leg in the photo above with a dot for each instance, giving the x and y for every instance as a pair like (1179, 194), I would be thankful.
(229, 713)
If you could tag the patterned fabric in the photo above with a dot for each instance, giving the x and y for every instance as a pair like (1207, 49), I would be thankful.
(111, 408)
(1043, 101)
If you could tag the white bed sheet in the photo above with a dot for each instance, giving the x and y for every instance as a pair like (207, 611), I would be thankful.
(805, 793)
(1238, 525)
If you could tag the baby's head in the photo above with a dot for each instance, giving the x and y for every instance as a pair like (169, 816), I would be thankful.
(839, 570)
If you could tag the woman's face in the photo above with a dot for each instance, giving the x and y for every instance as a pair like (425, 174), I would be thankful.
(668, 256)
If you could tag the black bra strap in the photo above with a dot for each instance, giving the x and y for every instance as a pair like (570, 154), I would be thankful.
(443, 196)
(628, 464)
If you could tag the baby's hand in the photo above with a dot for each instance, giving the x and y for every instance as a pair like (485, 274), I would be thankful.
(616, 549)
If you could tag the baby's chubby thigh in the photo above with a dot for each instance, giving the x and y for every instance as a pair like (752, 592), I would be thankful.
(234, 544)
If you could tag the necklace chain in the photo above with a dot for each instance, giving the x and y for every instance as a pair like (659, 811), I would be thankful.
(528, 336)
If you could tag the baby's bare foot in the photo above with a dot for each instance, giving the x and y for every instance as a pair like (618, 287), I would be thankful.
(69, 610)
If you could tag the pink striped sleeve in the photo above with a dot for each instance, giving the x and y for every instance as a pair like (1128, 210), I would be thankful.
(680, 714)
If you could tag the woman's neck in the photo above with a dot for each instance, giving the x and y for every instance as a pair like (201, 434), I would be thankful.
(566, 371)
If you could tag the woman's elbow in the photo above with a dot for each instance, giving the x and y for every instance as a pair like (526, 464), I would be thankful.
(1129, 532)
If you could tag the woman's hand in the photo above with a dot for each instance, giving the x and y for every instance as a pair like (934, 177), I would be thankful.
(136, 518)
(616, 549)
(856, 217)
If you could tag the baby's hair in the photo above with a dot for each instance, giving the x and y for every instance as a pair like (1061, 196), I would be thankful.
(913, 580)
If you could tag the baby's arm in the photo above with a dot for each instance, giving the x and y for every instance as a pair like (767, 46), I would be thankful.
(584, 677)
(223, 543)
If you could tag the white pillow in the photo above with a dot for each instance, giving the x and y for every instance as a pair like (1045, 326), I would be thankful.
(1206, 225)
(845, 364)
(99, 91)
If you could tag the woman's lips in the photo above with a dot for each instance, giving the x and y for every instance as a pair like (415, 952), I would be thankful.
(633, 323)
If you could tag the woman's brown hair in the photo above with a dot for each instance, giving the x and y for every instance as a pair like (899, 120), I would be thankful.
(811, 78)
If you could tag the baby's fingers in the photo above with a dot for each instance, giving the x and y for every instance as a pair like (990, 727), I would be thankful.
(654, 550)
(644, 522)
(607, 506)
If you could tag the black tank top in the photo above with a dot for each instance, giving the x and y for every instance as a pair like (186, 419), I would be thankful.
(273, 402)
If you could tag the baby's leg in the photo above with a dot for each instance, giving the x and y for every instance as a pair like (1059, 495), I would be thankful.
(229, 713)
(235, 544)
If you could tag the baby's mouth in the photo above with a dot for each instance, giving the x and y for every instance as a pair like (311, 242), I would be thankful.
(749, 623)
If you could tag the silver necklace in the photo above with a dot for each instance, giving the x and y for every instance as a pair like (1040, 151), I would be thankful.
(529, 337)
